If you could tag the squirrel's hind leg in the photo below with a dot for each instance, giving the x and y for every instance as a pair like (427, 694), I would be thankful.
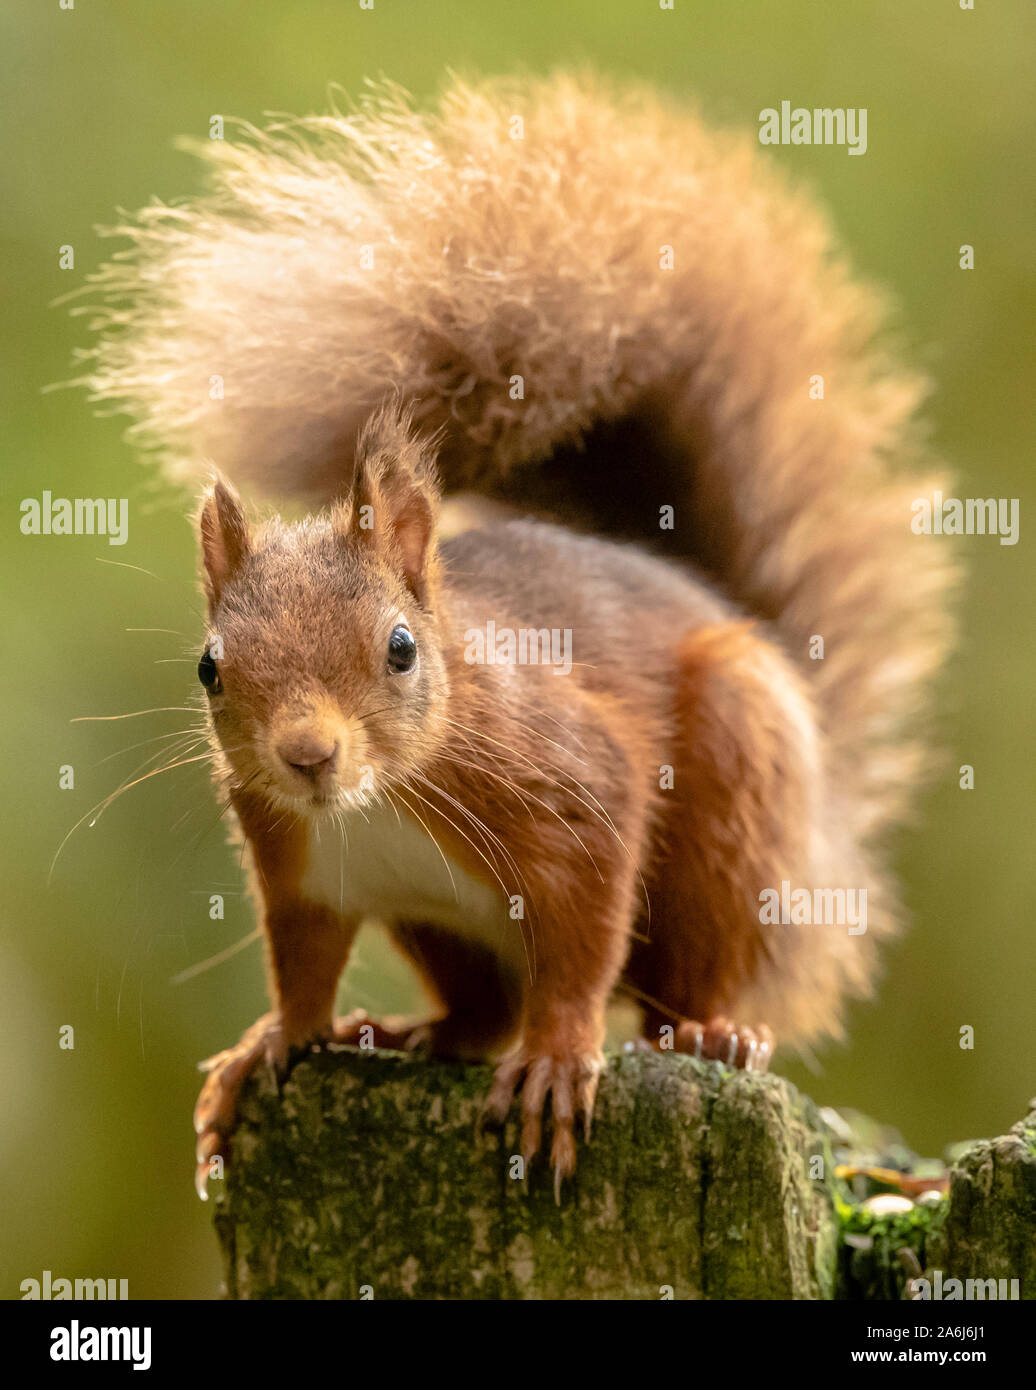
(740, 817)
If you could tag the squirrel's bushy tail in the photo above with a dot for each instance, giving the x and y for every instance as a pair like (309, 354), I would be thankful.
(560, 275)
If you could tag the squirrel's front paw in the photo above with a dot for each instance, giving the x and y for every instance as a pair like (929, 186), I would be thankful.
(571, 1083)
(216, 1111)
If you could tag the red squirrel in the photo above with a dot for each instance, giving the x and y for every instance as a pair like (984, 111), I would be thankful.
(637, 341)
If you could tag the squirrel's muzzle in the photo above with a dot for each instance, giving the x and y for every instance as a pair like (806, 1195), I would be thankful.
(312, 755)
(309, 751)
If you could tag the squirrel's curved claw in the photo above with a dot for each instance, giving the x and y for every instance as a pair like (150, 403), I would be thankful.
(720, 1040)
(209, 1145)
(571, 1085)
(215, 1112)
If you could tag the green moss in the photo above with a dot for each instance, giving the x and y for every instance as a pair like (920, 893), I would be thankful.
(989, 1229)
(367, 1170)
(873, 1264)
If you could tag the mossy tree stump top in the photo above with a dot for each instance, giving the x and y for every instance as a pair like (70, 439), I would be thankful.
(366, 1176)
(988, 1229)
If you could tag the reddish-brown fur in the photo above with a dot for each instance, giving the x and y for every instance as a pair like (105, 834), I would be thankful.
(548, 788)
(646, 382)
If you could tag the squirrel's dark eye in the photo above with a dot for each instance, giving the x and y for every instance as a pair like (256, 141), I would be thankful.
(402, 651)
(208, 673)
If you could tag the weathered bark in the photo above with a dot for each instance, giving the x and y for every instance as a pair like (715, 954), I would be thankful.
(988, 1230)
(366, 1172)
(366, 1176)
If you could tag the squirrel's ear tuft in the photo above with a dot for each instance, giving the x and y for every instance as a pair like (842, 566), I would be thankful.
(224, 537)
(395, 500)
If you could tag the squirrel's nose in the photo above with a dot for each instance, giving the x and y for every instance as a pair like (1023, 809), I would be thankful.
(309, 751)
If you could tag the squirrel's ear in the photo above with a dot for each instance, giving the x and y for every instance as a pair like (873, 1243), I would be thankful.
(395, 501)
(224, 537)
(396, 511)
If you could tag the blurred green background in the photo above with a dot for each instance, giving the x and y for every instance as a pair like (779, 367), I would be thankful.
(96, 1142)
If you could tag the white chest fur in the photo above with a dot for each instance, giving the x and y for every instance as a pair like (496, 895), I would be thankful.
(389, 868)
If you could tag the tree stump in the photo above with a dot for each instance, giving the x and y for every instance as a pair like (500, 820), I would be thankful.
(366, 1177)
(988, 1230)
